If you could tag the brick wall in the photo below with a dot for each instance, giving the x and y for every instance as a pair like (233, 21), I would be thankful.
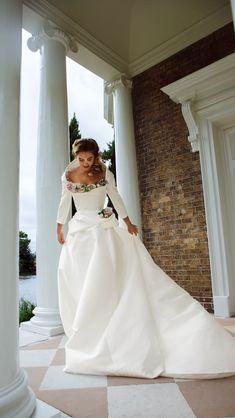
(174, 226)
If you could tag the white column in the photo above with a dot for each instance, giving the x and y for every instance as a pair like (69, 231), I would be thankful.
(52, 157)
(233, 11)
(16, 398)
(126, 162)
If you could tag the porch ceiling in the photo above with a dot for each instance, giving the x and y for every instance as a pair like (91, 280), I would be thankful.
(132, 28)
(130, 35)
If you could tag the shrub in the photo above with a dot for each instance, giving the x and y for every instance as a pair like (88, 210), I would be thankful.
(25, 310)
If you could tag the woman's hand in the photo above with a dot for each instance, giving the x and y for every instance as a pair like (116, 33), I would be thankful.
(60, 235)
(133, 229)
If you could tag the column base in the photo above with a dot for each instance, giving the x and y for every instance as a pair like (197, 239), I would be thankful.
(17, 400)
(222, 307)
(46, 321)
(44, 330)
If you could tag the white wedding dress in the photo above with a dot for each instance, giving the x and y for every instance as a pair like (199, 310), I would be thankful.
(122, 314)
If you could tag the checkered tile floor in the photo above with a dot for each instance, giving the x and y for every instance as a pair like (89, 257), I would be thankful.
(95, 396)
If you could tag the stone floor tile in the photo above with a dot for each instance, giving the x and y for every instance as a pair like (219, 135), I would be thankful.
(44, 345)
(59, 358)
(64, 339)
(79, 403)
(147, 401)
(35, 376)
(36, 358)
(56, 378)
(214, 398)
(26, 337)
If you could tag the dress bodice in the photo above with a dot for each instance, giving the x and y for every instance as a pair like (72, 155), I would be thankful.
(89, 197)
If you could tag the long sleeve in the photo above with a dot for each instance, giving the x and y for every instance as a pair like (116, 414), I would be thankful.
(115, 196)
(65, 202)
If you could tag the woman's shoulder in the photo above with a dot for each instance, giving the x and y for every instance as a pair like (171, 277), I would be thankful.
(69, 167)
(109, 175)
(72, 166)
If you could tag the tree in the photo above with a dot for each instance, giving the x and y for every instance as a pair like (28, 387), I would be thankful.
(74, 133)
(109, 155)
(27, 259)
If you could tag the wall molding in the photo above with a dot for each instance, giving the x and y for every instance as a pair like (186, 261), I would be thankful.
(201, 90)
(51, 13)
(211, 79)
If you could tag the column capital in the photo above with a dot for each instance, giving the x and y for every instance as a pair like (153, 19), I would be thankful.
(52, 32)
(122, 80)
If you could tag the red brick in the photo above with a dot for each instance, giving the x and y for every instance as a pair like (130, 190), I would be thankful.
(172, 204)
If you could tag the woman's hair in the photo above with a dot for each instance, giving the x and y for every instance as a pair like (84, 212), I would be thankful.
(89, 145)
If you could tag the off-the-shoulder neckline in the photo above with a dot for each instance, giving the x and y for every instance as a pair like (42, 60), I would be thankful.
(86, 184)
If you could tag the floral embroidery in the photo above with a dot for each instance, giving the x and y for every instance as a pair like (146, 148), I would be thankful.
(81, 188)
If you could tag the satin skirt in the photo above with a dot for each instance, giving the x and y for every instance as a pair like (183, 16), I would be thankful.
(124, 316)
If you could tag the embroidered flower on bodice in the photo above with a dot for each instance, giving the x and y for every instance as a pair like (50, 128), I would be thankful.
(81, 187)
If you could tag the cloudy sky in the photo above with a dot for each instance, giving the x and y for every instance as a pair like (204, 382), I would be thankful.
(85, 98)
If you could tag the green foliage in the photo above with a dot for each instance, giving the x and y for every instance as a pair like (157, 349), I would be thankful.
(27, 259)
(74, 133)
(25, 310)
(109, 155)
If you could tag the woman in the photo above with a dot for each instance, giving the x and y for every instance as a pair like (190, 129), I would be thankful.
(122, 314)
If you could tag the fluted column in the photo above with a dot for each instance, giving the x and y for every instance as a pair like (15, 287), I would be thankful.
(16, 398)
(52, 157)
(126, 162)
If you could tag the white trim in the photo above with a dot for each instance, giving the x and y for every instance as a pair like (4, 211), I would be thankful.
(200, 92)
(196, 32)
(210, 95)
(216, 239)
(52, 13)
(204, 81)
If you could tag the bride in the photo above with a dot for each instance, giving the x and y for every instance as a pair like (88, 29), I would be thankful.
(122, 314)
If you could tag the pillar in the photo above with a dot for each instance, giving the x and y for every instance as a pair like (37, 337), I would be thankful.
(16, 398)
(126, 161)
(233, 11)
(52, 158)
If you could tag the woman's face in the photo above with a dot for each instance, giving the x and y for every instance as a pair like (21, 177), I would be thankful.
(85, 159)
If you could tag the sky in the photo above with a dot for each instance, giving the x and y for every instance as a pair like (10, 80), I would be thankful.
(85, 98)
